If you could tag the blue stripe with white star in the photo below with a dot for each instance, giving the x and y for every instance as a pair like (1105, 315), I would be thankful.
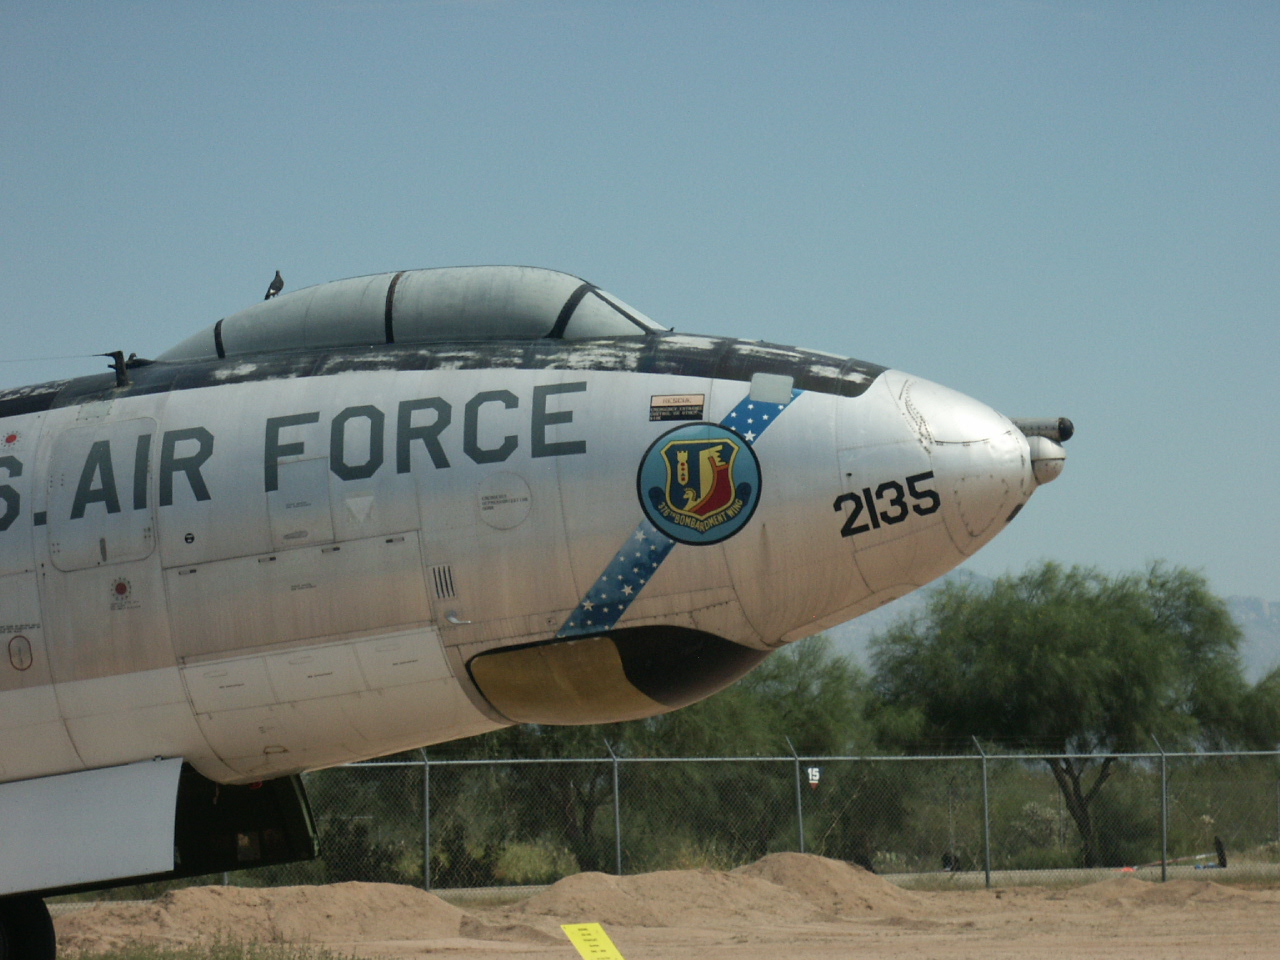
(635, 564)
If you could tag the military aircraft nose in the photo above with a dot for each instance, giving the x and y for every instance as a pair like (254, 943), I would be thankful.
(982, 461)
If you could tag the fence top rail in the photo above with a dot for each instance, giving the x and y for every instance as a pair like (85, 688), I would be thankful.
(495, 761)
(512, 761)
(933, 758)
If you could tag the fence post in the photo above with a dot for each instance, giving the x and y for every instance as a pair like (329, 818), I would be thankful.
(1164, 812)
(617, 814)
(799, 796)
(426, 821)
(986, 816)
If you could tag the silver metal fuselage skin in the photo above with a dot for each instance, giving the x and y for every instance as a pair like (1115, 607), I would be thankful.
(270, 565)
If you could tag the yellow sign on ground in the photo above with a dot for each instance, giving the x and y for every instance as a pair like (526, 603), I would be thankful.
(591, 940)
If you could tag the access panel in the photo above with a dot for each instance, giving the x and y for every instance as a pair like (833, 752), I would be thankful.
(101, 507)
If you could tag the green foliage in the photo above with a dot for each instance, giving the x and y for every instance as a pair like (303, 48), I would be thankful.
(805, 692)
(1232, 798)
(1260, 710)
(726, 813)
(366, 831)
(1073, 661)
(862, 810)
(538, 862)
(1128, 824)
(486, 820)
(692, 853)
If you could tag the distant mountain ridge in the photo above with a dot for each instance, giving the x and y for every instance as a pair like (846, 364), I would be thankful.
(1259, 620)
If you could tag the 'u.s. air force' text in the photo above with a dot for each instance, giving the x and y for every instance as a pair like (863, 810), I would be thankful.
(424, 420)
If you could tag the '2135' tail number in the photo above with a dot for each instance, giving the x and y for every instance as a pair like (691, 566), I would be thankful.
(889, 505)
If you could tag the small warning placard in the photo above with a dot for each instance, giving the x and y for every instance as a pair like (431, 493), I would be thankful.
(677, 406)
(591, 940)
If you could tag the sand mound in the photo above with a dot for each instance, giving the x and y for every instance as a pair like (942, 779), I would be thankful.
(1180, 892)
(669, 898)
(833, 886)
(1175, 893)
(783, 887)
(543, 930)
(342, 911)
(1117, 888)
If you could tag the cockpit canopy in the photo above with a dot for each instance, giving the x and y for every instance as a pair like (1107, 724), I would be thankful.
(447, 304)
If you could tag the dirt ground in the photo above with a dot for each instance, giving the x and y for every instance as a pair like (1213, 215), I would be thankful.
(786, 905)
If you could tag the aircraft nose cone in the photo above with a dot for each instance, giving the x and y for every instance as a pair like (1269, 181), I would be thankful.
(980, 460)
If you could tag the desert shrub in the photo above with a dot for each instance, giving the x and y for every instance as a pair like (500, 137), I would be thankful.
(1128, 826)
(351, 851)
(538, 862)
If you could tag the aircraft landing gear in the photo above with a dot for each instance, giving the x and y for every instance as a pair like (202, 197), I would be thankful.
(26, 930)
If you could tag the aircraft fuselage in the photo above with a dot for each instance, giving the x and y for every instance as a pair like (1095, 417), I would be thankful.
(275, 565)
(331, 527)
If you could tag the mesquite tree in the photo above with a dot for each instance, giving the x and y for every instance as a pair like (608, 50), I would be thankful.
(1074, 662)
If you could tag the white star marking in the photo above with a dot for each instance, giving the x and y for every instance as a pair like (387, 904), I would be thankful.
(750, 435)
(627, 591)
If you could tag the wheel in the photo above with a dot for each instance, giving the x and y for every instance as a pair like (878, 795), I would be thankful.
(26, 930)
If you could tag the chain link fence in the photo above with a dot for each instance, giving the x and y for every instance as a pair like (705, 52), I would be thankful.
(936, 821)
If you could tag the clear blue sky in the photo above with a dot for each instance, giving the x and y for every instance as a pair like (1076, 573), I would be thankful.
(1059, 208)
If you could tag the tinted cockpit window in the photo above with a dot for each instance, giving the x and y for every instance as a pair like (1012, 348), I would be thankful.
(599, 314)
(479, 303)
(443, 304)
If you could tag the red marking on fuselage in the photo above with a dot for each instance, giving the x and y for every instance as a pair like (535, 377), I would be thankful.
(719, 496)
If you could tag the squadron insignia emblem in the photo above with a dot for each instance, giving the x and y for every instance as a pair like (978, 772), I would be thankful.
(699, 484)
